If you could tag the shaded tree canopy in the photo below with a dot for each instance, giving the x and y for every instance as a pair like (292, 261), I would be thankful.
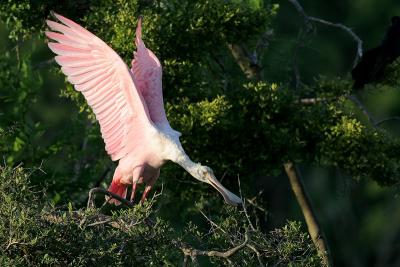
(247, 99)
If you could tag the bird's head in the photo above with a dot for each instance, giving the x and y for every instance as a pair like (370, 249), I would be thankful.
(206, 175)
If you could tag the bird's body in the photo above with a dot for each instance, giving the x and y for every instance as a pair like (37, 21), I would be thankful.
(128, 104)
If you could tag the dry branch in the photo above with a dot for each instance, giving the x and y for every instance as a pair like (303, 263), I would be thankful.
(193, 253)
(309, 215)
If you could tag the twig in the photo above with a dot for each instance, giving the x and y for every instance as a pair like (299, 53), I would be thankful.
(252, 202)
(100, 222)
(308, 28)
(257, 253)
(307, 20)
(313, 226)
(15, 243)
(299, 9)
(299, 43)
(359, 52)
(96, 190)
(312, 101)
(316, 100)
(212, 222)
(394, 118)
(244, 206)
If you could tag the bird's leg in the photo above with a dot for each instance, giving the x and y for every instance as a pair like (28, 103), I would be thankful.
(134, 184)
(146, 192)
(149, 185)
(137, 172)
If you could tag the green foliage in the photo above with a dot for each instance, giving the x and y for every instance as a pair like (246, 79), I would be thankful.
(27, 17)
(362, 152)
(35, 233)
(391, 76)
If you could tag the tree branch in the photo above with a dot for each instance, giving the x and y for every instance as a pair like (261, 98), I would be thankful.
(96, 190)
(307, 20)
(312, 224)
(355, 37)
(295, 180)
(250, 68)
(312, 101)
(394, 118)
(194, 253)
(257, 253)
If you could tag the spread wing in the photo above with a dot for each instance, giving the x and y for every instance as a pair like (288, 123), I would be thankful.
(147, 74)
(106, 82)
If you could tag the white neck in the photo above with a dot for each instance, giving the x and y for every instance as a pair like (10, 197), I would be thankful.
(185, 162)
(174, 151)
(201, 173)
(177, 154)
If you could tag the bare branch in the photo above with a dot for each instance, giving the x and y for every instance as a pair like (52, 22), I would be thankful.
(244, 206)
(355, 37)
(313, 226)
(100, 222)
(316, 100)
(299, 9)
(194, 253)
(394, 118)
(250, 68)
(257, 253)
(12, 243)
(307, 20)
(212, 222)
(312, 101)
(96, 190)
(303, 32)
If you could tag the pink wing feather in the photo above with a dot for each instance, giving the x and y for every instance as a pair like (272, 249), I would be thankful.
(105, 81)
(147, 74)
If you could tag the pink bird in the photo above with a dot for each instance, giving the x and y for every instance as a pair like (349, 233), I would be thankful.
(128, 105)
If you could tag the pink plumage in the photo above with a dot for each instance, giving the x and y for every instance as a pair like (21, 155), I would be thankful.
(128, 104)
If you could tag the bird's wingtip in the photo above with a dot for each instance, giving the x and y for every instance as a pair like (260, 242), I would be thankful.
(54, 14)
(138, 38)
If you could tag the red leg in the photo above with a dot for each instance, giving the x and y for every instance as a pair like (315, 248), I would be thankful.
(146, 191)
(137, 172)
(149, 185)
(116, 187)
(134, 185)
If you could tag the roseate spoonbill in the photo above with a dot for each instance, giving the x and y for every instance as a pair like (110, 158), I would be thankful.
(128, 104)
